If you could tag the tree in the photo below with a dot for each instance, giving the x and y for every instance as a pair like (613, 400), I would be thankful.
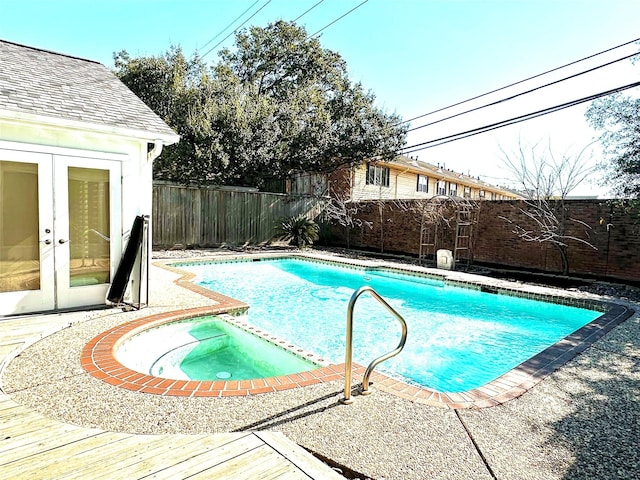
(618, 117)
(546, 180)
(277, 104)
(178, 90)
(341, 209)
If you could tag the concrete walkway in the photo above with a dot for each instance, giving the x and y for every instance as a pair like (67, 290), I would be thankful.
(581, 422)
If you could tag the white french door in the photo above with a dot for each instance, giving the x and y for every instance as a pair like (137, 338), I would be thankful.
(86, 228)
(27, 281)
(60, 230)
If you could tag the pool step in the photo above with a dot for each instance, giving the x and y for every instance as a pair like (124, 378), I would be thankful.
(172, 357)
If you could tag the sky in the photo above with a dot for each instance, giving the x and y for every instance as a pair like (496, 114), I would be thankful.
(416, 56)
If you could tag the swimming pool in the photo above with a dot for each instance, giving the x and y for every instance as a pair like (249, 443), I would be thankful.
(459, 338)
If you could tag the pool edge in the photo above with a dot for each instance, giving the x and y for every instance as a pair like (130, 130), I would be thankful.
(100, 363)
(99, 360)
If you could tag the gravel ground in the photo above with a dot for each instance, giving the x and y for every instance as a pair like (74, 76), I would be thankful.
(581, 422)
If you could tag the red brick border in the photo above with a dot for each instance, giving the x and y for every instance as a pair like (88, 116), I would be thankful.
(98, 359)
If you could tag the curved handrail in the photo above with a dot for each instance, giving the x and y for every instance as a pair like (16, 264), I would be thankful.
(349, 340)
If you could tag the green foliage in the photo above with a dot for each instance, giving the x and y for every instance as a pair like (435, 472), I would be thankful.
(618, 117)
(300, 230)
(175, 88)
(277, 104)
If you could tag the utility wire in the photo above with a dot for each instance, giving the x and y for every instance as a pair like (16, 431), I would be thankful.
(298, 18)
(475, 131)
(237, 28)
(497, 102)
(519, 82)
(225, 28)
(337, 19)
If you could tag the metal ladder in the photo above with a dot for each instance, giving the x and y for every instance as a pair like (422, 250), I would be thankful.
(428, 232)
(466, 218)
(349, 347)
(428, 239)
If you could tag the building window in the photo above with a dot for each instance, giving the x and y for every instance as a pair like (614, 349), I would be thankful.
(467, 192)
(442, 187)
(481, 194)
(377, 175)
(453, 189)
(493, 195)
(423, 184)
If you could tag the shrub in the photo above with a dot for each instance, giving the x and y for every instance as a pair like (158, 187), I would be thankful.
(299, 230)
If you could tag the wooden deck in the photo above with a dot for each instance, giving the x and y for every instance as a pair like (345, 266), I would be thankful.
(35, 447)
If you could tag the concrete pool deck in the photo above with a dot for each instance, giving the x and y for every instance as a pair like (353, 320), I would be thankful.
(580, 422)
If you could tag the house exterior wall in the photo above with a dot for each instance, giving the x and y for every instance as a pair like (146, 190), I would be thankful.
(407, 185)
(403, 183)
(131, 152)
(363, 191)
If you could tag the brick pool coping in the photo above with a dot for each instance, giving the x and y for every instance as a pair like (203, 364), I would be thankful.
(98, 359)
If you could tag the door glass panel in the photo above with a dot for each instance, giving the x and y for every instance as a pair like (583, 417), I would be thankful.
(19, 224)
(89, 235)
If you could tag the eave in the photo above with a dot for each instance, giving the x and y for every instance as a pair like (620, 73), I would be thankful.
(12, 116)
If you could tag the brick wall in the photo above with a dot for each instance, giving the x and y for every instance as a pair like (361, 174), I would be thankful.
(612, 227)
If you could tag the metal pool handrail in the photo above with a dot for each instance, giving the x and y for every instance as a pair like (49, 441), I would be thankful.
(349, 340)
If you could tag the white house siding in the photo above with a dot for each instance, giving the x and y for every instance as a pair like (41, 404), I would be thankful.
(361, 191)
(403, 185)
(407, 185)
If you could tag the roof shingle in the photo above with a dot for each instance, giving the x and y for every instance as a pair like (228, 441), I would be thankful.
(39, 82)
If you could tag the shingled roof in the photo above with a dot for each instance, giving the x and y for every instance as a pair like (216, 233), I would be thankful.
(43, 83)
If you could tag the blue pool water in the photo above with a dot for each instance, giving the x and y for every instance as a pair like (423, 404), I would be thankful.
(458, 338)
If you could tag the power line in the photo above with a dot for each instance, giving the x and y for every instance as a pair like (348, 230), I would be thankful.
(242, 14)
(225, 28)
(237, 28)
(337, 19)
(497, 102)
(476, 131)
(298, 18)
(519, 82)
(511, 121)
(256, 12)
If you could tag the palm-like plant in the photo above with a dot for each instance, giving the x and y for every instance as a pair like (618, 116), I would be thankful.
(300, 230)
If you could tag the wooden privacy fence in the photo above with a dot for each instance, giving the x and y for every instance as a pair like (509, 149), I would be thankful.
(212, 216)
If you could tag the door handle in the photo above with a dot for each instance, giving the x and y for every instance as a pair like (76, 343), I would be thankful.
(62, 240)
(47, 242)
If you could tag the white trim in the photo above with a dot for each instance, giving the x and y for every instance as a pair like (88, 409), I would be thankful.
(44, 120)
(66, 151)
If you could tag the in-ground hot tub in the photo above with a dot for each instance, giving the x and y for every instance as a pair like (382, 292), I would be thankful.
(207, 348)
